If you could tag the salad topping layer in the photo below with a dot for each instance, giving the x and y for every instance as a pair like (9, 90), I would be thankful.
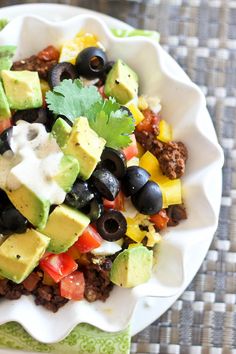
(89, 175)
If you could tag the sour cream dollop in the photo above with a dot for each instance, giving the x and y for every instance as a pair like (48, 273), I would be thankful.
(34, 161)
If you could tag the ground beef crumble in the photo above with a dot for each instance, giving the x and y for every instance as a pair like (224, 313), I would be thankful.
(97, 285)
(172, 156)
(42, 62)
(97, 281)
(176, 213)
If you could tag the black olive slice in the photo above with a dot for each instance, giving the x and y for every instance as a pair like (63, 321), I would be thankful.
(5, 140)
(13, 220)
(91, 62)
(134, 179)
(114, 161)
(148, 200)
(112, 225)
(93, 210)
(60, 72)
(80, 195)
(106, 183)
(34, 115)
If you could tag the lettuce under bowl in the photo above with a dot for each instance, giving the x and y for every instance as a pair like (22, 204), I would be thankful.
(183, 248)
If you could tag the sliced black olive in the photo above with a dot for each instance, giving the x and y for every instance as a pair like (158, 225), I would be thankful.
(112, 225)
(148, 200)
(4, 201)
(106, 183)
(114, 161)
(5, 140)
(60, 72)
(134, 179)
(94, 209)
(35, 115)
(108, 66)
(80, 195)
(125, 109)
(13, 220)
(91, 62)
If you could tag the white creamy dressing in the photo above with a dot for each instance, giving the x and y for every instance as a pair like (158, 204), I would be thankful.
(33, 162)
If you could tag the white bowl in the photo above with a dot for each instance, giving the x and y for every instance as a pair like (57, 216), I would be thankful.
(183, 247)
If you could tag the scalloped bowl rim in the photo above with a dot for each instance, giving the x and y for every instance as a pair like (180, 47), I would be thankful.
(199, 181)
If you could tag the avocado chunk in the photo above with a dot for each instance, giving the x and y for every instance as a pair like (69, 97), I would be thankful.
(68, 172)
(121, 82)
(34, 208)
(4, 106)
(61, 132)
(22, 89)
(64, 226)
(132, 267)
(6, 54)
(20, 254)
(85, 145)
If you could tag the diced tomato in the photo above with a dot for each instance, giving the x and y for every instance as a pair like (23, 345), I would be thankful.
(117, 203)
(31, 281)
(4, 124)
(89, 240)
(101, 91)
(73, 252)
(72, 286)
(131, 150)
(49, 53)
(160, 219)
(58, 265)
(150, 121)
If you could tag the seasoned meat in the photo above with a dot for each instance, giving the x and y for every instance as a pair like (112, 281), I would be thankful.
(172, 156)
(42, 62)
(176, 213)
(97, 282)
(31, 282)
(49, 297)
(12, 291)
(172, 159)
(34, 63)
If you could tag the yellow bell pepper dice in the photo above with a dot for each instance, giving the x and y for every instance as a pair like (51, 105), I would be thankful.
(137, 114)
(132, 245)
(133, 230)
(142, 103)
(165, 133)
(150, 163)
(71, 48)
(171, 192)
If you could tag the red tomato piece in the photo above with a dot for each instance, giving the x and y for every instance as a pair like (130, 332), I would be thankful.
(49, 53)
(101, 91)
(72, 286)
(58, 265)
(150, 121)
(89, 240)
(117, 203)
(160, 219)
(4, 124)
(131, 150)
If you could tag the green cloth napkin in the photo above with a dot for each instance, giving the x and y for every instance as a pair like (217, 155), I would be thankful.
(84, 338)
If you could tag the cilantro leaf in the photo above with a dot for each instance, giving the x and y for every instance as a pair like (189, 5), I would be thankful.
(111, 123)
(71, 99)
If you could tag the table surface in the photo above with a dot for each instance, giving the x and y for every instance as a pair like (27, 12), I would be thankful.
(201, 36)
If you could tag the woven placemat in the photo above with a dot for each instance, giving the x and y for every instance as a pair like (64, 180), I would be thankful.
(201, 36)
